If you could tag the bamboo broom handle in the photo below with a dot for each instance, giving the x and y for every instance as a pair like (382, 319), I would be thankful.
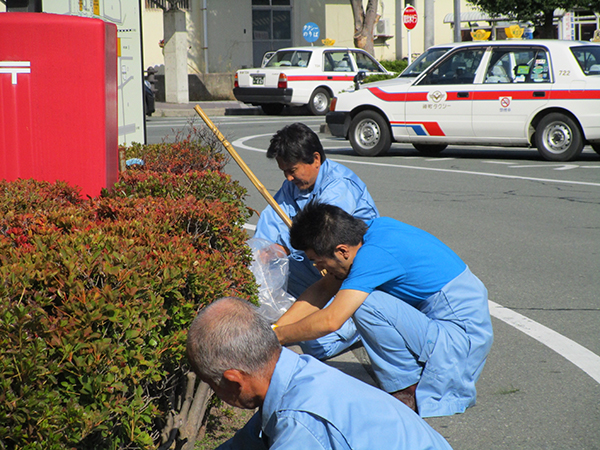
(238, 159)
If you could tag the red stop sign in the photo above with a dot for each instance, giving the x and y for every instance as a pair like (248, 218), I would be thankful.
(409, 17)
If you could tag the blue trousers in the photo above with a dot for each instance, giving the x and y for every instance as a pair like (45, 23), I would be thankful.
(442, 345)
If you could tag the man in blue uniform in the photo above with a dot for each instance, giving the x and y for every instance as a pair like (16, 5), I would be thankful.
(303, 403)
(311, 176)
(422, 315)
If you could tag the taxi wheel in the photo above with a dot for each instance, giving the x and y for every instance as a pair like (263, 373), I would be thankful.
(370, 134)
(272, 109)
(430, 149)
(319, 102)
(558, 138)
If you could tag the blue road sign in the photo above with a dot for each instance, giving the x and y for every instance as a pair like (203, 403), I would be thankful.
(310, 32)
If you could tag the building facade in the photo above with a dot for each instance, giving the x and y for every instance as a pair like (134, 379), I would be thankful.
(226, 35)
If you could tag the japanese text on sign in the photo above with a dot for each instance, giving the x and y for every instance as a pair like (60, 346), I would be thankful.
(310, 32)
(410, 17)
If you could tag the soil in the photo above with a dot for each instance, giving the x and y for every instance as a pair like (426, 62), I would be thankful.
(222, 423)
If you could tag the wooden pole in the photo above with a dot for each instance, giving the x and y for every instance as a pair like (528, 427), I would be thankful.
(238, 159)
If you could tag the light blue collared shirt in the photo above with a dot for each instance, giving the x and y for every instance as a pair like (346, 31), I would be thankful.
(310, 405)
(336, 185)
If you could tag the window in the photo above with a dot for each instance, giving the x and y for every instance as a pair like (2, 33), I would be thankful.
(270, 2)
(337, 62)
(290, 59)
(531, 67)
(271, 24)
(423, 62)
(459, 68)
(164, 4)
(271, 27)
(501, 68)
(365, 62)
(281, 25)
(588, 58)
(518, 65)
(539, 69)
(261, 25)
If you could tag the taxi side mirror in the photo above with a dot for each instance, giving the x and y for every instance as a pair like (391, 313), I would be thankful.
(358, 78)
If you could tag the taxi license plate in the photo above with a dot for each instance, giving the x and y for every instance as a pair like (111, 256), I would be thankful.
(260, 81)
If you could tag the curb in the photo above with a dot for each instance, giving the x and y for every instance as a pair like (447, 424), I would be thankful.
(216, 108)
(208, 111)
(211, 109)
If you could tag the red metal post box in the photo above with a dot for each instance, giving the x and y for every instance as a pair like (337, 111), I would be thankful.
(58, 100)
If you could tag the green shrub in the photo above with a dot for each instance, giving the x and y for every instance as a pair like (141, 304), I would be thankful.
(96, 296)
(395, 66)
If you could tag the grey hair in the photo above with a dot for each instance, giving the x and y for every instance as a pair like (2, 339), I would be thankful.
(230, 334)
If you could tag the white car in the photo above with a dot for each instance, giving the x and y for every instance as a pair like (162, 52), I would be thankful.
(302, 76)
(544, 93)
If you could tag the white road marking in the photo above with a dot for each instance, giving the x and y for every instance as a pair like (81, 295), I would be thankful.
(240, 143)
(567, 167)
(467, 172)
(583, 358)
(546, 166)
(580, 356)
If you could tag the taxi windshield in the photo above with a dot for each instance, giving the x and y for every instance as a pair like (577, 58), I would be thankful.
(423, 62)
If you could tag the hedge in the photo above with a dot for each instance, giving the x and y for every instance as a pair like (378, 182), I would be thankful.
(96, 296)
(396, 66)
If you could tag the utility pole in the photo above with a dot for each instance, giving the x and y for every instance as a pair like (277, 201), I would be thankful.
(176, 47)
(399, 28)
(429, 24)
(457, 21)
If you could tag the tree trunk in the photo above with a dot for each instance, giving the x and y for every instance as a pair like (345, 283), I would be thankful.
(364, 23)
(182, 427)
(547, 30)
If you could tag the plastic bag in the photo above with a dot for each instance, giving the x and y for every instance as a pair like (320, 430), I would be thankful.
(270, 267)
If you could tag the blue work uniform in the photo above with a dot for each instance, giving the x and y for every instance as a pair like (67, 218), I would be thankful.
(336, 185)
(426, 319)
(310, 405)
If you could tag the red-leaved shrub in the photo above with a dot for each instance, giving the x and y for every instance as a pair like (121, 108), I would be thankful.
(96, 296)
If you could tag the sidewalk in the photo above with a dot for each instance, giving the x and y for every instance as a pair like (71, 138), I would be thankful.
(224, 108)
(219, 108)
(211, 108)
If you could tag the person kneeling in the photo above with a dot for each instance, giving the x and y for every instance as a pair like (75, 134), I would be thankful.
(303, 403)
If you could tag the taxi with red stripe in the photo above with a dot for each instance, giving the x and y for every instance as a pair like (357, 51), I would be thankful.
(303, 76)
(541, 93)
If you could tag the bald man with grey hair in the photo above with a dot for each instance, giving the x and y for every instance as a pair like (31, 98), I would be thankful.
(229, 334)
(302, 402)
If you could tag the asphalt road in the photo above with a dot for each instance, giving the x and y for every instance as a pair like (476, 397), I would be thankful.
(530, 229)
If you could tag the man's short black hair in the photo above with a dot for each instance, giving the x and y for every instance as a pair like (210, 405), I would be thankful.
(295, 143)
(321, 228)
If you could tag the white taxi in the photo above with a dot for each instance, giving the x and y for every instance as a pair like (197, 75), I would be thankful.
(302, 76)
(544, 93)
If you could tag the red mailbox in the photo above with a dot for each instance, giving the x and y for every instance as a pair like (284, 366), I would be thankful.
(58, 100)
